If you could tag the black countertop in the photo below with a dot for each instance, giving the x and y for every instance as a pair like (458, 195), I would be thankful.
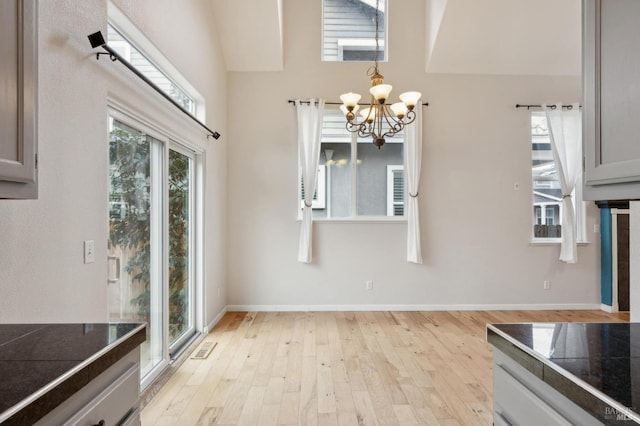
(41, 365)
(596, 365)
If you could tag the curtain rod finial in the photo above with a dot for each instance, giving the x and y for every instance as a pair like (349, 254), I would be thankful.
(96, 39)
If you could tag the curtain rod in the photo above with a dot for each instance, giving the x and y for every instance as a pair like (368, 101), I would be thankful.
(540, 106)
(97, 40)
(291, 101)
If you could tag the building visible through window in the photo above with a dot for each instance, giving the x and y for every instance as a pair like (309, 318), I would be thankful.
(356, 179)
(546, 189)
(395, 190)
(349, 30)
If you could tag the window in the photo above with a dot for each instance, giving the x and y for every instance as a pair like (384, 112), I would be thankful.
(143, 64)
(546, 191)
(349, 30)
(355, 49)
(155, 205)
(151, 212)
(319, 198)
(395, 190)
(356, 179)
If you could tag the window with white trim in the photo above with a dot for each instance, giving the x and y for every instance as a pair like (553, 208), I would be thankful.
(546, 190)
(395, 190)
(319, 198)
(354, 176)
(145, 65)
(359, 49)
(349, 30)
(155, 205)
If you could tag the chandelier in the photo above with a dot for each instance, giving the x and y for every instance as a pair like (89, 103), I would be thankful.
(379, 120)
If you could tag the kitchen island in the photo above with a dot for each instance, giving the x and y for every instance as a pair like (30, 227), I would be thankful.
(566, 373)
(69, 373)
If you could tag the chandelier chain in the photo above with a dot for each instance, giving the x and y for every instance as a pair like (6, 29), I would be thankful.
(380, 119)
(377, 34)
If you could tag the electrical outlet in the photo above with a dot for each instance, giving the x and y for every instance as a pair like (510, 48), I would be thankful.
(516, 186)
(596, 228)
(369, 285)
(89, 251)
(546, 284)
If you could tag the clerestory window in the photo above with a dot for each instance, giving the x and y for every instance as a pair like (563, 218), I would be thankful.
(349, 30)
(145, 65)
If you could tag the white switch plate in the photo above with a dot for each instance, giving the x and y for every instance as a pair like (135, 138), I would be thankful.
(89, 251)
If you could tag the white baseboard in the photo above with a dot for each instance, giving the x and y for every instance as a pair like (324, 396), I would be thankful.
(607, 308)
(453, 307)
(215, 321)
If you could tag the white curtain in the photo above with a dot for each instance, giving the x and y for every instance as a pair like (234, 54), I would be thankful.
(309, 129)
(413, 165)
(565, 131)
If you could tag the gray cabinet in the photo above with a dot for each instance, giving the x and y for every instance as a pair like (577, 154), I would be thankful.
(611, 99)
(18, 99)
(520, 398)
(112, 398)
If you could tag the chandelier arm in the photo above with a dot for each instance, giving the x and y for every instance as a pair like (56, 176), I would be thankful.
(363, 132)
(392, 131)
(388, 116)
(395, 125)
(410, 117)
(353, 126)
(371, 129)
(377, 124)
(394, 128)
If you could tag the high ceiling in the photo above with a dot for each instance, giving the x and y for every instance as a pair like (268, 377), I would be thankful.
(511, 37)
(540, 37)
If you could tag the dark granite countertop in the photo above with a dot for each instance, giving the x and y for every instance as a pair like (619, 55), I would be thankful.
(595, 365)
(41, 365)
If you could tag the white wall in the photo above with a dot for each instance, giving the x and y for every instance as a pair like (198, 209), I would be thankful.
(476, 147)
(475, 227)
(42, 275)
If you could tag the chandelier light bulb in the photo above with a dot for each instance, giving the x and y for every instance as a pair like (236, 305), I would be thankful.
(350, 100)
(381, 92)
(367, 114)
(410, 99)
(399, 110)
(346, 111)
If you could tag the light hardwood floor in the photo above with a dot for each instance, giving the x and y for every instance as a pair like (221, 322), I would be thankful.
(344, 368)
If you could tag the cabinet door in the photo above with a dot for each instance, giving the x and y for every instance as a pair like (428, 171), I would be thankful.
(611, 66)
(516, 404)
(18, 101)
(114, 405)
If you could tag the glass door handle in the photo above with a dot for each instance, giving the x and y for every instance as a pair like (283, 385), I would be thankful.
(110, 259)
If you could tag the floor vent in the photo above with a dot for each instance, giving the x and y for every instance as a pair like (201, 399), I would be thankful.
(204, 350)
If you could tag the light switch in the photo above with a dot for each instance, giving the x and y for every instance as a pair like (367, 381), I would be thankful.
(89, 251)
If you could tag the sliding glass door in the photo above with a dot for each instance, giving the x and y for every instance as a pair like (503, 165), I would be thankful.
(181, 292)
(151, 239)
